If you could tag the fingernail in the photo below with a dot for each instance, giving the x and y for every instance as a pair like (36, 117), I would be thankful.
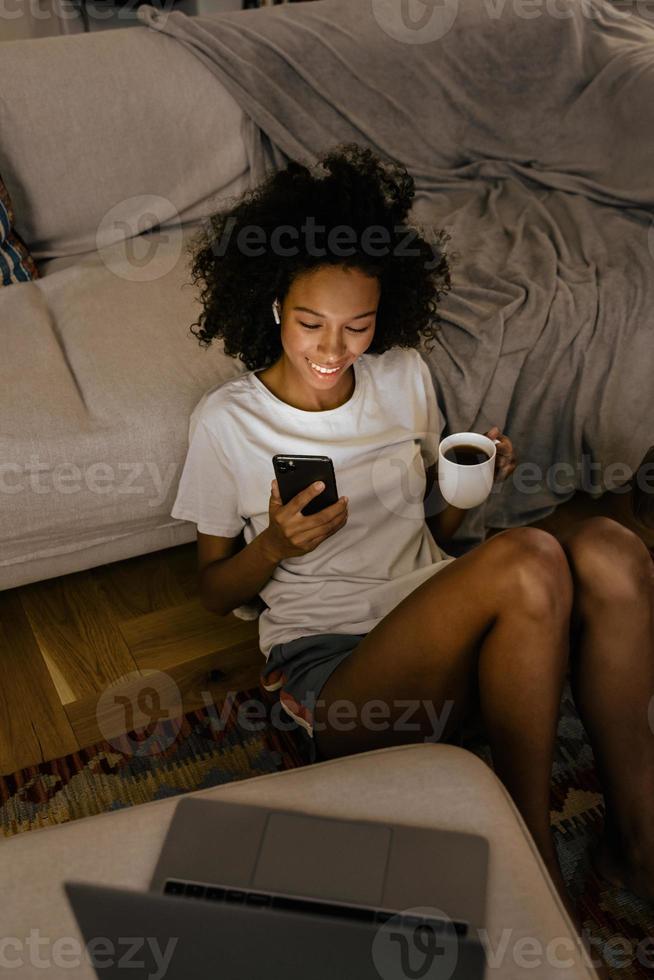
(319, 486)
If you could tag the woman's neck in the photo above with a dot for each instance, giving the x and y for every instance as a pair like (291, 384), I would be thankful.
(276, 379)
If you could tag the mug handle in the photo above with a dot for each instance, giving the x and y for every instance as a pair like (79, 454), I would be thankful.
(497, 441)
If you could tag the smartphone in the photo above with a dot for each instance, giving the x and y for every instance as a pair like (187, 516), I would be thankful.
(295, 473)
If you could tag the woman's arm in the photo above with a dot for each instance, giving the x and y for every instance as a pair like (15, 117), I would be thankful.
(444, 524)
(226, 583)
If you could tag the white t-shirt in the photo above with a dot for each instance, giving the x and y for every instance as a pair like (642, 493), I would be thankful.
(380, 442)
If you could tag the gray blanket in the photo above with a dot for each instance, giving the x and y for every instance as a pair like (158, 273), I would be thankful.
(529, 131)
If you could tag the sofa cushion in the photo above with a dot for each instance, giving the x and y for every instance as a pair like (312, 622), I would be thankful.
(16, 263)
(107, 134)
(94, 434)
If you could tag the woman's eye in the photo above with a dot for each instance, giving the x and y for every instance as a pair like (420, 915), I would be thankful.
(314, 326)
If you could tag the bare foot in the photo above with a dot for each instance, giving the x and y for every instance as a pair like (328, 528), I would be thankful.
(610, 862)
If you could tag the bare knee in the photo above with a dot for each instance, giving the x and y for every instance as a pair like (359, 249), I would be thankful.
(533, 571)
(609, 561)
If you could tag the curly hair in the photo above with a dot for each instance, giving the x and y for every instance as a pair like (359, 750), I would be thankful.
(348, 188)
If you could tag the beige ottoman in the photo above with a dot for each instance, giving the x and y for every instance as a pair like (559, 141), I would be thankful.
(430, 785)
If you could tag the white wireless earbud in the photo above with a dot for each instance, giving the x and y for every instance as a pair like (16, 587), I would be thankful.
(276, 313)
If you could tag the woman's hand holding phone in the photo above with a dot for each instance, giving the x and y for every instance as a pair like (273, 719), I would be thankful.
(290, 533)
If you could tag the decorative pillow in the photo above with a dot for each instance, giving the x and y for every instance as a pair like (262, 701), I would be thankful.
(16, 263)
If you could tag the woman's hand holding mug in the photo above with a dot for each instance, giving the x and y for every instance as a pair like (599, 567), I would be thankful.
(290, 533)
(469, 463)
(505, 458)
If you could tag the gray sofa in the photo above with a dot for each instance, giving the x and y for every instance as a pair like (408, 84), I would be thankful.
(104, 137)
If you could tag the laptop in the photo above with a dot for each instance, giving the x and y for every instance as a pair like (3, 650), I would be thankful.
(242, 890)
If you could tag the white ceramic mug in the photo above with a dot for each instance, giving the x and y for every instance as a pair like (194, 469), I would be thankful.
(461, 485)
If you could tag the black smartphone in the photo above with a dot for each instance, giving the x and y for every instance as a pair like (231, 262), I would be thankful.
(295, 473)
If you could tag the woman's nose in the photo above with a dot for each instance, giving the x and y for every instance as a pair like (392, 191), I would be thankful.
(331, 358)
(334, 350)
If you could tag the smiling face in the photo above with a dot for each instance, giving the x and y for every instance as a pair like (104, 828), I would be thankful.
(328, 320)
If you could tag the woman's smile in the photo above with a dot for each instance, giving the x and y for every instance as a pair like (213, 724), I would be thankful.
(322, 371)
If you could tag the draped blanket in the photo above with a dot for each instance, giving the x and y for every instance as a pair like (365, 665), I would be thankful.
(529, 131)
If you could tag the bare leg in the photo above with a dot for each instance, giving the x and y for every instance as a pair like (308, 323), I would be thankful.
(612, 678)
(520, 688)
(507, 651)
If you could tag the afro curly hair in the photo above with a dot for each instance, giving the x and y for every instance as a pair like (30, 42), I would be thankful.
(348, 188)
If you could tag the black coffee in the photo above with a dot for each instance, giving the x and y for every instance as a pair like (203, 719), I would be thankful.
(466, 455)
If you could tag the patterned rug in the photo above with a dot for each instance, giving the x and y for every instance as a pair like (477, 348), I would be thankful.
(620, 926)
(205, 751)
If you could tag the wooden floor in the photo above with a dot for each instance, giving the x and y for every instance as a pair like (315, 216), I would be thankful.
(66, 642)
(89, 655)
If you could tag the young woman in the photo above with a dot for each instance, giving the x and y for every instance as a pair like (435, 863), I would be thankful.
(373, 634)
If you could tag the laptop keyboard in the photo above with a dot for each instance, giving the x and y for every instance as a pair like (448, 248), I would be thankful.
(270, 900)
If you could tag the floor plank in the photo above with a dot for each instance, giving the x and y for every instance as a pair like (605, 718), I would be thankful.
(75, 629)
(141, 584)
(183, 562)
(139, 701)
(184, 632)
(33, 724)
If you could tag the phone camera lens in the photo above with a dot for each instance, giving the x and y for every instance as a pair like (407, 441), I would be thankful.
(291, 464)
(283, 467)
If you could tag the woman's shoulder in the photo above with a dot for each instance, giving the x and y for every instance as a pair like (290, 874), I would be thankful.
(396, 360)
(215, 404)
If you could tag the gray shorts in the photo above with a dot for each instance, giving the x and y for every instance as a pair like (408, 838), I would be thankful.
(299, 669)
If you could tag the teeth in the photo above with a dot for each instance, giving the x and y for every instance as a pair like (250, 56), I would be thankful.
(321, 369)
